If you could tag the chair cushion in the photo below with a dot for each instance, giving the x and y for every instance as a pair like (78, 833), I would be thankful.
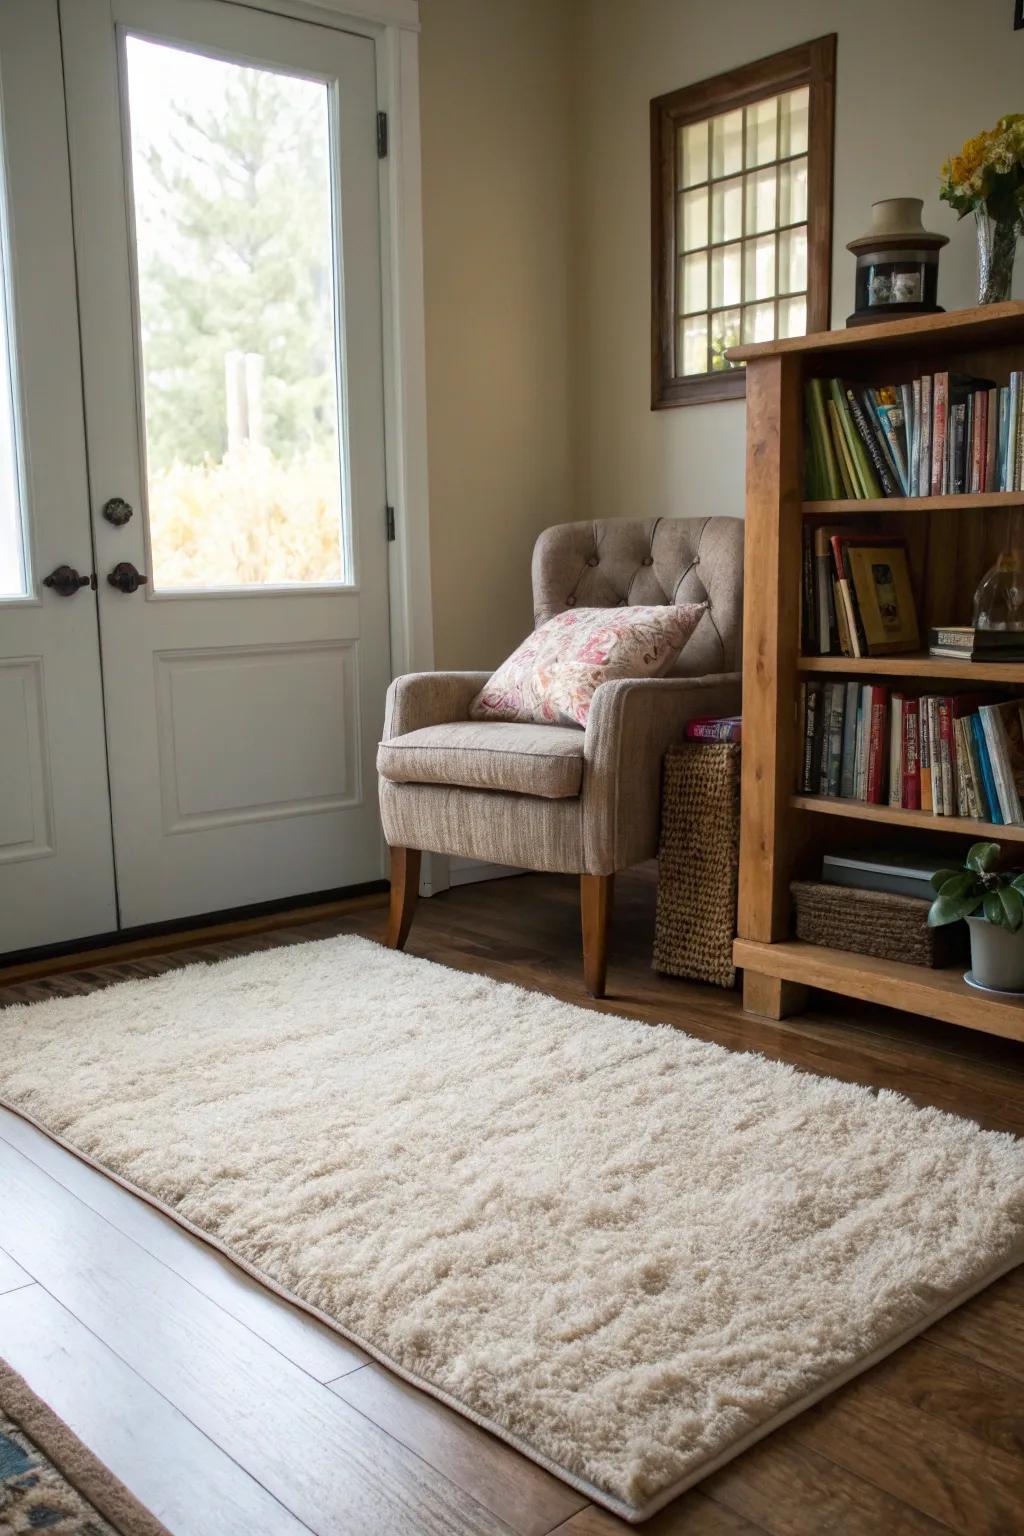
(545, 760)
(553, 676)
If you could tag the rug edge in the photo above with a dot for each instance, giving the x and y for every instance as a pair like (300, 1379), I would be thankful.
(80, 1467)
(631, 1513)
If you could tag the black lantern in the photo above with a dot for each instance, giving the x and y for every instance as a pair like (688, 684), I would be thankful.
(897, 264)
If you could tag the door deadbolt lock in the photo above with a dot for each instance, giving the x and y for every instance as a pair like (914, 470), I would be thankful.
(125, 577)
(117, 511)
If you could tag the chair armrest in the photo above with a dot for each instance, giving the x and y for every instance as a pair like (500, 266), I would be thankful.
(429, 698)
(632, 723)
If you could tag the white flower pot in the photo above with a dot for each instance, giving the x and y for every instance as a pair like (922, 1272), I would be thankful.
(997, 956)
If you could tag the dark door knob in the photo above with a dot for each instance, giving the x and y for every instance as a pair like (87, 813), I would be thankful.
(117, 511)
(125, 577)
(66, 581)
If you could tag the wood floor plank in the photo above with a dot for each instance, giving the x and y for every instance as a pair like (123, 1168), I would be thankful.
(301, 1338)
(990, 1329)
(790, 1490)
(11, 1275)
(320, 1458)
(989, 1404)
(940, 1468)
(522, 1494)
(690, 1515)
(170, 1466)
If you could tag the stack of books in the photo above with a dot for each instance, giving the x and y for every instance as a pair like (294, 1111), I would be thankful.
(856, 594)
(962, 642)
(940, 435)
(952, 755)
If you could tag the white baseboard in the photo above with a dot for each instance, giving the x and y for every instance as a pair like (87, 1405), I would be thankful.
(440, 873)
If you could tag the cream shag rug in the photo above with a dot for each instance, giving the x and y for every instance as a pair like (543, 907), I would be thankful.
(627, 1252)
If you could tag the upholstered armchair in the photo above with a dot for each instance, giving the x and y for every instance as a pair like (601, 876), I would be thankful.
(566, 799)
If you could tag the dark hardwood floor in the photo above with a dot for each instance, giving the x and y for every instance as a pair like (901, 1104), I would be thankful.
(228, 1411)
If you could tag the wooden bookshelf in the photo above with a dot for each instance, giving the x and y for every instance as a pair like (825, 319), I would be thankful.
(894, 816)
(936, 668)
(969, 501)
(784, 833)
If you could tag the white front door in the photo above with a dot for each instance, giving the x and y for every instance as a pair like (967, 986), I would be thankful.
(225, 190)
(56, 868)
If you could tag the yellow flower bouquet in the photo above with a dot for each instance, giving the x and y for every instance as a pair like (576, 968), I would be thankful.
(987, 179)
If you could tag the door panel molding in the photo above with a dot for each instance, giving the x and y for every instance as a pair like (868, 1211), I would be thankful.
(332, 713)
(26, 806)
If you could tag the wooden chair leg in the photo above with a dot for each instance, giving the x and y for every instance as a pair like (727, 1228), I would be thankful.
(405, 889)
(596, 892)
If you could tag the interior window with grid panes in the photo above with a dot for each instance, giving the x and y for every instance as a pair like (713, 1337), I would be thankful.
(741, 230)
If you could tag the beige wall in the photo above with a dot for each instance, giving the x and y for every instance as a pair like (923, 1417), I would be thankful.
(537, 250)
(497, 248)
(914, 78)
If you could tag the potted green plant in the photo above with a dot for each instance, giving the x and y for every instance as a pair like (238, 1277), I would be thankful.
(992, 902)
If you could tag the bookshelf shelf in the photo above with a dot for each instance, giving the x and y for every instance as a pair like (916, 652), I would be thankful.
(862, 810)
(1009, 673)
(939, 994)
(783, 835)
(966, 501)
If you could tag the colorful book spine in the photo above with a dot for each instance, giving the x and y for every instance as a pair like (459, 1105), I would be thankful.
(875, 731)
(896, 751)
(910, 758)
(926, 434)
(708, 729)
(924, 747)
(848, 770)
(884, 474)
(940, 406)
(984, 770)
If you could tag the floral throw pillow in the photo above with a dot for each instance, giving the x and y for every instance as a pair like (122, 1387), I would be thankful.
(550, 679)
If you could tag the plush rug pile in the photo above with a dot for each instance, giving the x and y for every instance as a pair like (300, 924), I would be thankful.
(627, 1252)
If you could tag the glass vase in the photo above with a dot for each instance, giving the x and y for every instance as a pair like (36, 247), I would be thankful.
(999, 599)
(997, 247)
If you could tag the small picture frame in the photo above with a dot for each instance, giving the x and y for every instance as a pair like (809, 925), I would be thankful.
(880, 576)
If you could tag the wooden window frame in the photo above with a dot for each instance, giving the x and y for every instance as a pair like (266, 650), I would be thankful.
(812, 64)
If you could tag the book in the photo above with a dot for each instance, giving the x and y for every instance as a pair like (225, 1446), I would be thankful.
(832, 739)
(874, 730)
(915, 466)
(860, 746)
(947, 770)
(910, 758)
(969, 644)
(892, 418)
(812, 737)
(1004, 733)
(848, 768)
(818, 418)
(886, 869)
(708, 728)
(879, 575)
(989, 796)
(864, 478)
(896, 750)
(924, 752)
(989, 482)
(847, 473)
(939, 425)
(926, 435)
(865, 422)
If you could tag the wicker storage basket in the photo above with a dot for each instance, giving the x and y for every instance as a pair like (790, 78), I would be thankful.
(873, 923)
(698, 862)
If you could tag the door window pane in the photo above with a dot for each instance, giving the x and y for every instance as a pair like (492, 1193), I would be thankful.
(234, 223)
(693, 150)
(13, 581)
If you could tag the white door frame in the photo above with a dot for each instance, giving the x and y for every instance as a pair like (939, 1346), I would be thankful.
(395, 25)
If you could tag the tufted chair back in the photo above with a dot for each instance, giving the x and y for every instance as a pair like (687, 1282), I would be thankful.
(616, 562)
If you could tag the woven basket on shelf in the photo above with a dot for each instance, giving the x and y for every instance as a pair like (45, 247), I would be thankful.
(873, 923)
(698, 862)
